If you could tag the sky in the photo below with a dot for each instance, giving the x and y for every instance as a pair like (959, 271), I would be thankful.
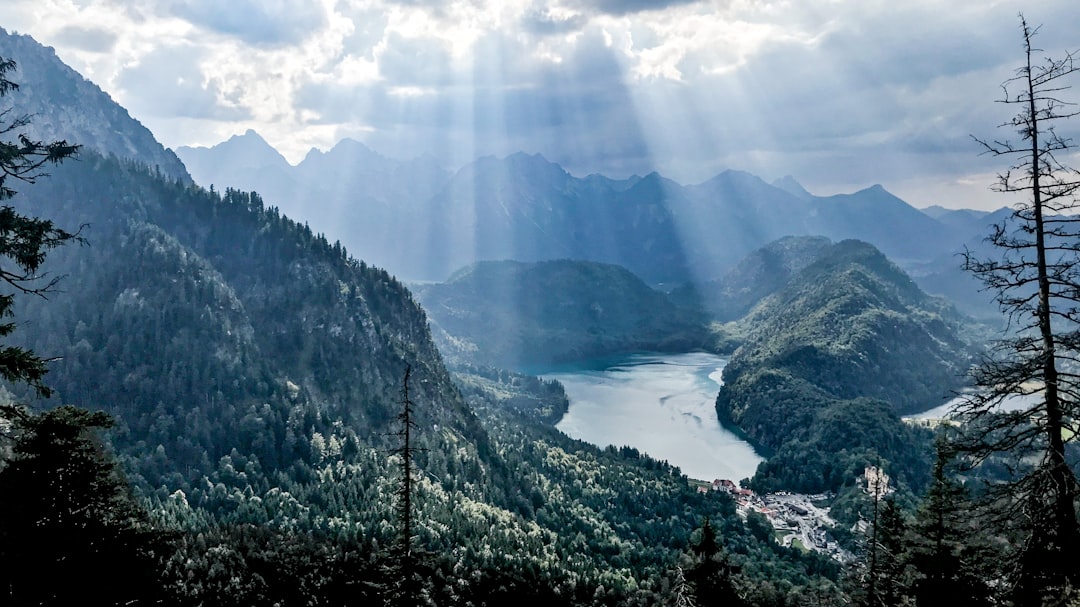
(840, 94)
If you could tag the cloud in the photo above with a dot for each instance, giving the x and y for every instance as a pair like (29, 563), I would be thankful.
(167, 82)
(419, 61)
(259, 22)
(91, 39)
(544, 22)
(834, 91)
(626, 7)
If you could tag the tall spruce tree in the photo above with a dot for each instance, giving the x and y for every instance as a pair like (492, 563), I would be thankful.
(70, 532)
(946, 553)
(406, 584)
(711, 573)
(1034, 277)
(881, 577)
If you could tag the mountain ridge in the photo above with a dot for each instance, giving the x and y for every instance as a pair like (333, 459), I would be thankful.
(523, 206)
(66, 106)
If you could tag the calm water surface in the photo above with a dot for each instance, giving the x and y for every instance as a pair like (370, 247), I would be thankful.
(662, 404)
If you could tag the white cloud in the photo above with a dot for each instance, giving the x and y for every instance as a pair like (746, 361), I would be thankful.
(836, 92)
(90, 39)
(258, 22)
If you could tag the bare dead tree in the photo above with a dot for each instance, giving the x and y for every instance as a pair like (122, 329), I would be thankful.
(405, 585)
(1030, 382)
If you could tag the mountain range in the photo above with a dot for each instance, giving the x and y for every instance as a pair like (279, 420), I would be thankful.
(422, 222)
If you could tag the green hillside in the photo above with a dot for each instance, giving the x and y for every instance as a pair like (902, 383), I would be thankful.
(832, 360)
(512, 314)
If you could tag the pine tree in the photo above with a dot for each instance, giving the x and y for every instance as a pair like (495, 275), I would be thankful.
(24, 240)
(711, 572)
(882, 580)
(945, 553)
(70, 531)
(406, 564)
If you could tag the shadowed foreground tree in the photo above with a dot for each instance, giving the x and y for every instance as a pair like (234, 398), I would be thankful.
(950, 560)
(24, 240)
(711, 572)
(1033, 372)
(70, 531)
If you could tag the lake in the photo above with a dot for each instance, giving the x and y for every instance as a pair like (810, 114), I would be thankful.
(661, 404)
(945, 411)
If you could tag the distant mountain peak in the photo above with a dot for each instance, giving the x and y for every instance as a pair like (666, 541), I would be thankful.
(793, 187)
(734, 178)
(346, 147)
(242, 152)
(525, 156)
(877, 188)
(250, 142)
(349, 143)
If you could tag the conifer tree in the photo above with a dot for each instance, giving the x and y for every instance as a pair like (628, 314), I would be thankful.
(69, 528)
(882, 579)
(24, 240)
(712, 573)
(1034, 278)
(406, 584)
(945, 553)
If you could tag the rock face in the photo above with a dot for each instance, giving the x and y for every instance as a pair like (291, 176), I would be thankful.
(64, 105)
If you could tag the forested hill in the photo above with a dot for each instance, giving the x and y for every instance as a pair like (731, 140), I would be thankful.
(759, 274)
(188, 309)
(831, 360)
(509, 314)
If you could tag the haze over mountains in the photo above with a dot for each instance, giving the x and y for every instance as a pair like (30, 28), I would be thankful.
(422, 222)
(254, 366)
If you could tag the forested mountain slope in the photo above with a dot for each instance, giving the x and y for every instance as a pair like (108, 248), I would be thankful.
(255, 370)
(832, 359)
(759, 274)
(509, 314)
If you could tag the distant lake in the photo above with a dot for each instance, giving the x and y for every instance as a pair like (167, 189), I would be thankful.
(661, 404)
(1009, 403)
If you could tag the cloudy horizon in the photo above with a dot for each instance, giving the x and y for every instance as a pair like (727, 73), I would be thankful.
(840, 94)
